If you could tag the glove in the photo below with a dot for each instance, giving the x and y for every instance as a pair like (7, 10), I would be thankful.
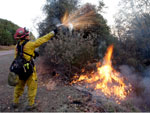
(58, 27)
(55, 30)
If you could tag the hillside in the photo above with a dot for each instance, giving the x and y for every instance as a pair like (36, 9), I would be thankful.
(7, 30)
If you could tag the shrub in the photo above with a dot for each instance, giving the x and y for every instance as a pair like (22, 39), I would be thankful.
(69, 53)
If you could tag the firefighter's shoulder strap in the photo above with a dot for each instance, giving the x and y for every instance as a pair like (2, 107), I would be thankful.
(20, 49)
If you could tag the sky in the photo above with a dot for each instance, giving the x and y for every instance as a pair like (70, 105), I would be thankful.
(26, 13)
(109, 11)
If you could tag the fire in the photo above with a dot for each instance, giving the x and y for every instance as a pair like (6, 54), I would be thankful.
(79, 19)
(107, 79)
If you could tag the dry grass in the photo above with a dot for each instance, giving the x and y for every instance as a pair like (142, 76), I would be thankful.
(3, 48)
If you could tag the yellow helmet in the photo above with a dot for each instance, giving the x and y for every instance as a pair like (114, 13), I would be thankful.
(13, 79)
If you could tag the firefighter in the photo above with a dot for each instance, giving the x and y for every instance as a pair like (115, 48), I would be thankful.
(22, 34)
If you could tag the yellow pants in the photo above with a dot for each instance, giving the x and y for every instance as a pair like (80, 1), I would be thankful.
(32, 88)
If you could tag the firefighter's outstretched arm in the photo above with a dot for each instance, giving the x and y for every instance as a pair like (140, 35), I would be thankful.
(43, 39)
(46, 37)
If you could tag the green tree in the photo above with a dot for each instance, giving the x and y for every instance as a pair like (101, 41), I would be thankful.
(54, 11)
(7, 30)
(6, 38)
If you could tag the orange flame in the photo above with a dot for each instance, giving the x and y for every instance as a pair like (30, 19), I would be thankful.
(107, 79)
(79, 19)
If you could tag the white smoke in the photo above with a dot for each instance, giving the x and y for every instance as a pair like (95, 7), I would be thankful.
(141, 86)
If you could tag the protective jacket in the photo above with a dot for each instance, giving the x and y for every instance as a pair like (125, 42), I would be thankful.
(31, 82)
(31, 45)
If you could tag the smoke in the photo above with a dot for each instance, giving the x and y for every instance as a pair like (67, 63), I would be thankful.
(56, 21)
(140, 95)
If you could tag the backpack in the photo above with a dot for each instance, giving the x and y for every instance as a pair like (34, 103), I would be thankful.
(20, 65)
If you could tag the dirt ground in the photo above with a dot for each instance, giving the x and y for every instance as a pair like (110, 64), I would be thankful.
(52, 96)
